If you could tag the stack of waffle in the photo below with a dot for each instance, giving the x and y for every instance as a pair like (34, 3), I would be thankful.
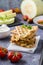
(24, 36)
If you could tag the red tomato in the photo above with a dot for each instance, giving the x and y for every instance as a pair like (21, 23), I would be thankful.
(14, 56)
(20, 55)
(3, 52)
(25, 17)
(1, 10)
(15, 59)
(10, 54)
(30, 20)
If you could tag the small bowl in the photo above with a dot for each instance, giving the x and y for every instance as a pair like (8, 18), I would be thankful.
(5, 31)
(36, 19)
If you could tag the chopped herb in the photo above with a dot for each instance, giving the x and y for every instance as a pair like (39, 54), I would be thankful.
(30, 27)
(27, 26)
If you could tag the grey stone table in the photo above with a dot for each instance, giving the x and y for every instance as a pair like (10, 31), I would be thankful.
(28, 59)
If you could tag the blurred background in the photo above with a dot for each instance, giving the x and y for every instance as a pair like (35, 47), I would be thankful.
(8, 4)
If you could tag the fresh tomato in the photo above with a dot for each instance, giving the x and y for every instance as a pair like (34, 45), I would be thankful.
(3, 52)
(25, 17)
(10, 54)
(14, 56)
(1, 10)
(30, 20)
(19, 54)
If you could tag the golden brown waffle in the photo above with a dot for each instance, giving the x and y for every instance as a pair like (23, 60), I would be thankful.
(23, 36)
(27, 43)
(21, 33)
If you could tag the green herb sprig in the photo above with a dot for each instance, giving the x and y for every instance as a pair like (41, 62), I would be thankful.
(27, 26)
